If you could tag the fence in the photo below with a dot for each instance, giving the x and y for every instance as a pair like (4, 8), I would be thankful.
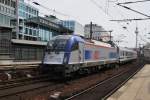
(26, 53)
(5, 41)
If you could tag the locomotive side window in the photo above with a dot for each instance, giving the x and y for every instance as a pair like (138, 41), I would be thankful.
(75, 46)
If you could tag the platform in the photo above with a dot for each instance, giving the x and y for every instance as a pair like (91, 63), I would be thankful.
(20, 65)
(137, 88)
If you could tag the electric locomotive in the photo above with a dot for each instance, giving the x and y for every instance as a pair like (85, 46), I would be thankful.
(70, 54)
(67, 54)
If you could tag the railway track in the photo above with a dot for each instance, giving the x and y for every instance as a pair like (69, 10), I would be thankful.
(14, 87)
(99, 90)
(103, 89)
(23, 81)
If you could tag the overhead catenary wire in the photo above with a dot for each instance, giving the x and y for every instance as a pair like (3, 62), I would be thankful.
(133, 10)
(100, 7)
(53, 10)
(121, 4)
(95, 3)
(131, 2)
(132, 19)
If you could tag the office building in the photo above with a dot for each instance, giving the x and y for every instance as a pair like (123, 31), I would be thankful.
(98, 32)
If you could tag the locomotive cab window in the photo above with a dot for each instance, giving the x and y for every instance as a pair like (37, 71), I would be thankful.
(75, 46)
(56, 45)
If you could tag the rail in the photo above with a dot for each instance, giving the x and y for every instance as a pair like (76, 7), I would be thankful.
(105, 95)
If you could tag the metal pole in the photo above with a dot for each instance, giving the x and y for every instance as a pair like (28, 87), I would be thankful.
(17, 18)
(136, 32)
(110, 35)
(91, 31)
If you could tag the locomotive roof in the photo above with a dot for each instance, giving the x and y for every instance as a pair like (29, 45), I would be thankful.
(82, 39)
(126, 49)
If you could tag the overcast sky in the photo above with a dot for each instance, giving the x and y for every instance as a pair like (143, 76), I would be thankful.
(85, 11)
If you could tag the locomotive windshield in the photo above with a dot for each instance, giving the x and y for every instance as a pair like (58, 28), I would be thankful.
(56, 45)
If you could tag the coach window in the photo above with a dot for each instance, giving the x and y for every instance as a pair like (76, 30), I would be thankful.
(75, 46)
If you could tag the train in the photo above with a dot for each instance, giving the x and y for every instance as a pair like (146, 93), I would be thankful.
(68, 55)
(146, 53)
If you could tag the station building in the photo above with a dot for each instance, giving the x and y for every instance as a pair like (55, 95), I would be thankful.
(7, 12)
(25, 41)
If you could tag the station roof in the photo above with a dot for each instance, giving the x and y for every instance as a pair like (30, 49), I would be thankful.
(5, 28)
(27, 42)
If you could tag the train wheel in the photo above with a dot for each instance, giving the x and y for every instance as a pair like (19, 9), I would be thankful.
(5, 76)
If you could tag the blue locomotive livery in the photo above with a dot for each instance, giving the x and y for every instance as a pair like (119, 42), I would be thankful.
(69, 54)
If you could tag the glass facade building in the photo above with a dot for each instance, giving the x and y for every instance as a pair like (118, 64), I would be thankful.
(68, 24)
(7, 12)
(26, 32)
(26, 11)
(32, 31)
(73, 25)
(28, 43)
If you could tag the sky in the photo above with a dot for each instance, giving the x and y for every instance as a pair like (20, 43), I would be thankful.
(85, 11)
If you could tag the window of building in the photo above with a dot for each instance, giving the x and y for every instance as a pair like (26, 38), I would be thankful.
(20, 13)
(2, 1)
(24, 15)
(13, 4)
(30, 31)
(9, 1)
(26, 31)
(6, 2)
(4, 9)
(1, 19)
(6, 20)
(26, 37)
(30, 10)
(34, 32)
(12, 12)
(27, 8)
(7, 10)
(0, 8)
